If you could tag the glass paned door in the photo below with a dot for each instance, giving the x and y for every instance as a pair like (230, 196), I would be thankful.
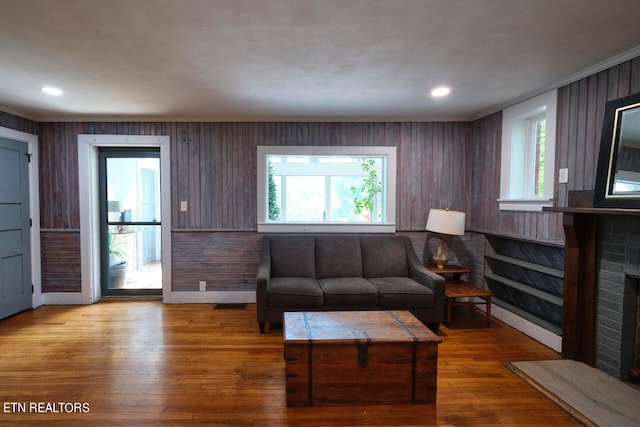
(130, 221)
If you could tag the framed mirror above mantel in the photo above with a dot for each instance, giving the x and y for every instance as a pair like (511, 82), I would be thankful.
(618, 173)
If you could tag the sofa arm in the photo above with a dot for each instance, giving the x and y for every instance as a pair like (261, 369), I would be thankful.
(422, 275)
(262, 281)
(429, 279)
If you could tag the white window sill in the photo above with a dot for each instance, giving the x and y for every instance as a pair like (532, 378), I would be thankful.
(299, 227)
(530, 205)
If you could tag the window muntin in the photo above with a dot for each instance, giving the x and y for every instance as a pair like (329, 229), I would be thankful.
(326, 189)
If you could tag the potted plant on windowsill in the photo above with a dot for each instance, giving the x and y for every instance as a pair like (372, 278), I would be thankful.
(367, 194)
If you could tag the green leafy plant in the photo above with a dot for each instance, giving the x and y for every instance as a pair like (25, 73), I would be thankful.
(274, 205)
(116, 250)
(367, 194)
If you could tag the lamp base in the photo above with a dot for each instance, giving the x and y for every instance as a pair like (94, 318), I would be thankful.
(440, 256)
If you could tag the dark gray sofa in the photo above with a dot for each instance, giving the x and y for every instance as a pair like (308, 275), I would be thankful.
(345, 272)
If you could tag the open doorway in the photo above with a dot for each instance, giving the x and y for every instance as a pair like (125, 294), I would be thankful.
(130, 221)
(88, 147)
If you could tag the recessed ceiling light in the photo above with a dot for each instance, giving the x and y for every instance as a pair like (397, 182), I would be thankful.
(440, 91)
(50, 90)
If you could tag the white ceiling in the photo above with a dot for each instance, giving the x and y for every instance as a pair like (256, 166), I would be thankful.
(299, 59)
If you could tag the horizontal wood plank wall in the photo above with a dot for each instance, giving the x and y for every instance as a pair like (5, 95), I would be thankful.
(213, 168)
(227, 261)
(466, 251)
(60, 260)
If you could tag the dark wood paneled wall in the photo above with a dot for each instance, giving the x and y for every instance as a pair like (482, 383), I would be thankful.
(213, 168)
(18, 123)
(485, 153)
(580, 113)
(452, 164)
(59, 202)
(580, 122)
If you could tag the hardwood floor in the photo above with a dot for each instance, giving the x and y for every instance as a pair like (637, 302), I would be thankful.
(140, 362)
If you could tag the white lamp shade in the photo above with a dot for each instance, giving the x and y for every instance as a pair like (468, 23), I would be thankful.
(446, 222)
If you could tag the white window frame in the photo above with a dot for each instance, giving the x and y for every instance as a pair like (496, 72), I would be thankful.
(266, 226)
(516, 170)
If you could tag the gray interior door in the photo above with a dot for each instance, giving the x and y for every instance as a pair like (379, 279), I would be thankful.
(15, 246)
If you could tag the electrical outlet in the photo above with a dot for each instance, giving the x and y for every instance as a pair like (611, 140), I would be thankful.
(563, 176)
(203, 286)
(183, 206)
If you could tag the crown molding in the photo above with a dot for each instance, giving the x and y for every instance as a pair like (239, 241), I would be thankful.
(572, 78)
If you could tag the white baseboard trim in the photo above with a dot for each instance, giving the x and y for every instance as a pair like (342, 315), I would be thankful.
(229, 297)
(536, 332)
(62, 298)
(238, 297)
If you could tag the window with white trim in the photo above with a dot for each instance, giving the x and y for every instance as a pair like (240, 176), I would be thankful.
(326, 189)
(528, 154)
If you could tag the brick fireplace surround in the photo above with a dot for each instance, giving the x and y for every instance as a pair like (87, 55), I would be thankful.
(601, 288)
(617, 343)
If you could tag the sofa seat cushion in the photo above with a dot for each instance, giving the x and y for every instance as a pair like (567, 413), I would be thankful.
(294, 292)
(348, 292)
(402, 292)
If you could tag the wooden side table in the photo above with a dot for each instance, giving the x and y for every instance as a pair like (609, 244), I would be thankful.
(456, 288)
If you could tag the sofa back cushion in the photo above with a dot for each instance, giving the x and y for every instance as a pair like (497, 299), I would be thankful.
(384, 256)
(293, 256)
(338, 256)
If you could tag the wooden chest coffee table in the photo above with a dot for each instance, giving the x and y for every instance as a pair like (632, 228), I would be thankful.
(359, 357)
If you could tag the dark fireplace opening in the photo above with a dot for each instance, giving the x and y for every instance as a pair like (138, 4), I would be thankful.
(630, 346)
(635, 371)
(632, 355)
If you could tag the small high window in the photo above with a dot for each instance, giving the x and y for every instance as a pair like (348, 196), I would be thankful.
(528, 154)
(333, 189)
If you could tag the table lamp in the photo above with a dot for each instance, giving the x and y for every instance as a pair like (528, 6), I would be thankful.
(444, 221)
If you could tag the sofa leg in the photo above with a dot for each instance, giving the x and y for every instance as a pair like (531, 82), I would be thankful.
(434, 327)
(261, 327)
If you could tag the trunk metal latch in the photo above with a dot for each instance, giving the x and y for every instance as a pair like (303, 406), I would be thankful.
(363, 349)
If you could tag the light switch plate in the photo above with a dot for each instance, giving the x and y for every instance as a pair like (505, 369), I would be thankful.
(563, 176)
(183, 206)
